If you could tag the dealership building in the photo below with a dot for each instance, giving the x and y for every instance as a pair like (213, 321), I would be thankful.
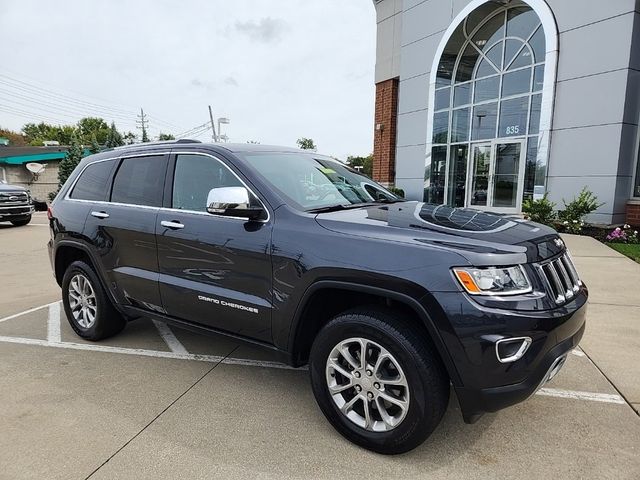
(487, 103)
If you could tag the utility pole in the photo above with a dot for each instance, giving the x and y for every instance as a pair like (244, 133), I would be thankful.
(142, 124)
(213, 126)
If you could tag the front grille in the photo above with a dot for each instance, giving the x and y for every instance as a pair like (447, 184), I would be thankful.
(561, 278)
(13, 198)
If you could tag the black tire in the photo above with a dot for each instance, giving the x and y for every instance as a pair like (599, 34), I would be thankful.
(108, 321)
(425, 375)
(22, 222)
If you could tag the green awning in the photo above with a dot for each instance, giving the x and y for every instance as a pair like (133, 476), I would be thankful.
(38, 157)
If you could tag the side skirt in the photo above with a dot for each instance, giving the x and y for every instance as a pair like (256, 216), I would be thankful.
(134, 312)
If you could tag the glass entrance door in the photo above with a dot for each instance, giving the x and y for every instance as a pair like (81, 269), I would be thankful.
(497, 176)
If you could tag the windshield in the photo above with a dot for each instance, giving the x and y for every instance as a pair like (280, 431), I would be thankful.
(314, 182)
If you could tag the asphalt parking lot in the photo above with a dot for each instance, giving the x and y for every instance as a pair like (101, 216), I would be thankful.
(159, 402)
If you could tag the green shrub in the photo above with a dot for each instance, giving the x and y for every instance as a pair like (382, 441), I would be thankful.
(397, 191)
(572, 216)
(585, 203)
(540, 211)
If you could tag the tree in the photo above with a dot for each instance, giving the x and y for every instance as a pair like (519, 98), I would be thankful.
(69, 163)
(114, 138)
(165, 136)
(15, 139)
(36, 134)
(88, 126)
(95, 147)
(306, 143)
(129, 138)
(365, 164)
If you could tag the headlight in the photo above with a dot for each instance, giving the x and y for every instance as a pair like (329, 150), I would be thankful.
(493, 280)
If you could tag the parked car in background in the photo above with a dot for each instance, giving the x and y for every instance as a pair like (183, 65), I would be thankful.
(16, 205)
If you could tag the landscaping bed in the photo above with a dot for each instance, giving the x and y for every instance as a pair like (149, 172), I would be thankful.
(630, 250)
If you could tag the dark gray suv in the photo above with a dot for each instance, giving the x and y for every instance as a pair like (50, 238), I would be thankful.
(389, 302)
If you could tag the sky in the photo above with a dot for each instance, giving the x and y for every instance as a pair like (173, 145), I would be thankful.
(279, 70)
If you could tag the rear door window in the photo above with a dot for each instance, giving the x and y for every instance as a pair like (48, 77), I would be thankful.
(93, 182)
(140, 181)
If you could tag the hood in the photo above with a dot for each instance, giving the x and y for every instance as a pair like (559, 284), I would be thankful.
(11, 188)
(482, 238)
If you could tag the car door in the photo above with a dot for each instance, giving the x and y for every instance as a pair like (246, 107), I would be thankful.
(214, 270)
(122, 230)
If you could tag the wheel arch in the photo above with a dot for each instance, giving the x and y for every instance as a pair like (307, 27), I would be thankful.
(69, 251)
(314, 311)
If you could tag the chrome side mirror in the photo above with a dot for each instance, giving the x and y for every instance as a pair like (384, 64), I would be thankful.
(233, 202)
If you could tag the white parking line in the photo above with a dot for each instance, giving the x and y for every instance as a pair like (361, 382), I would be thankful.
(179, 352)
(169, 338)
(594, 397)
(53, 324)
(146, 353)
(31, 310)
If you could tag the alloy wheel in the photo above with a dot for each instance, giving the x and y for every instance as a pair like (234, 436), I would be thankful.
(367, 384)
(82, 300)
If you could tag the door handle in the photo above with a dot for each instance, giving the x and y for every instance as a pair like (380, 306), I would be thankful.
(174, 225)
(100, 214)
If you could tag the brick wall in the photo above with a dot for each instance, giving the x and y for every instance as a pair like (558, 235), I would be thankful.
(633, 213)
(384, 142)
(47, 181)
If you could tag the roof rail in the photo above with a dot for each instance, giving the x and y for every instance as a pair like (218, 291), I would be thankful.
(164, 142)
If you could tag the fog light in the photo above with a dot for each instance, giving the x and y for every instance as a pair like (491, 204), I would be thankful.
(509, 350)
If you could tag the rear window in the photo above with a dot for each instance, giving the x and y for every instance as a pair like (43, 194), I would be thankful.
(93, 182)
(140, 181)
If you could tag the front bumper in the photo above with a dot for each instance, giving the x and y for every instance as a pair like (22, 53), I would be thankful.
(475, 402)
(486, 384)
(14, 212)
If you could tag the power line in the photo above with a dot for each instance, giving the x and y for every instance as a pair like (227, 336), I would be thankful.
(186, 133)
(77, 111)
(117, 112)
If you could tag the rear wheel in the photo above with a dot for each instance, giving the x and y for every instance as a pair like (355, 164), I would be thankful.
(22, 222)
(378, 381)
(87, 306)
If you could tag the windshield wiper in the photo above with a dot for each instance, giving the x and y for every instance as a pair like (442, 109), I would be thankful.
(337, 207)
(329, 208)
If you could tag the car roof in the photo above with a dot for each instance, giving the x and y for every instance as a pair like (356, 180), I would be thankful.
(188, 144)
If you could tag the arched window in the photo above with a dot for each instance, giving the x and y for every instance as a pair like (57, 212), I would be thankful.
(486, 103)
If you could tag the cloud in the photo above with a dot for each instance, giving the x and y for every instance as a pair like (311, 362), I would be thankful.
(231, 81)
(267, 30)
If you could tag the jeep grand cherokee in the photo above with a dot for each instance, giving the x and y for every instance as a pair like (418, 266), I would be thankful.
(389, 302)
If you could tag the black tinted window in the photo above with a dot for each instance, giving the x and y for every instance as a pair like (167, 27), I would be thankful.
(140, 181)
(93, 181)
(194, 176)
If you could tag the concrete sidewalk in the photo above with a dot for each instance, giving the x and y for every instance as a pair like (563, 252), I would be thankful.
(612, 338)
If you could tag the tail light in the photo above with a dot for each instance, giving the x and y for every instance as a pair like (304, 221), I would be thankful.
(49, 213)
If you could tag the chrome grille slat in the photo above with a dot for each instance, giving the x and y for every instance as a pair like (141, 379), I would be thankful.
(561, 278)
(568, 284)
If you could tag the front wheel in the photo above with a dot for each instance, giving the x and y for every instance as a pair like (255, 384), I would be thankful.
(87, 306)
(377, 381)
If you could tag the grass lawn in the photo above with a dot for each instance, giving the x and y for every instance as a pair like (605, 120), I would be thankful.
(630, 250)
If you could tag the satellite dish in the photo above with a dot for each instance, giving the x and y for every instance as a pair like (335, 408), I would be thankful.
(36, 169)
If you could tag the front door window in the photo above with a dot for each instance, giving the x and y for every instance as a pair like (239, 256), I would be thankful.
(480, 177)
(496, 178)
(508, 157)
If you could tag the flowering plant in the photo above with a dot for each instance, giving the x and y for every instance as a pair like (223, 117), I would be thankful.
(623, 235)
(574, 226)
